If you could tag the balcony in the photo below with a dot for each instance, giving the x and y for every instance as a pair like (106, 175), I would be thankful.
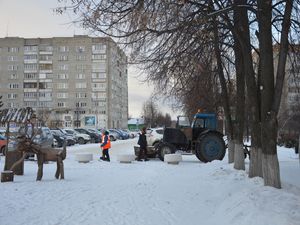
(45, 61)
(28, 61)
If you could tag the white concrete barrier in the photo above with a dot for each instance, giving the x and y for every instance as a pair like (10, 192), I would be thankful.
(126, 158)
(172, 158)
(84, 157)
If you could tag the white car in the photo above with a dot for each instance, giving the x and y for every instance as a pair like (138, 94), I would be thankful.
(81, 138)
(154, 136)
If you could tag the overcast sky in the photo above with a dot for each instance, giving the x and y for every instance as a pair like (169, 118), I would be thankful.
(35, 18)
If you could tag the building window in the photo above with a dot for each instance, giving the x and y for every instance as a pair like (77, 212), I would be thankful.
(80, 57)
(30, 57)
(68, 124)
(12, 67)
(80, 67)
(30, 66)
(30, 75)
(99, 56)
(99, 86)
(45, 57)
(99, 67)
(80, 49)
(99, 95)
(30, 48)
(12, 105)
(30, 85)
(45, 67)
(13, 86)
(12, 58)
(99, 75)
(63, 58)
(81, 85)
(12, 96)
(61, 104)
(80, 76)
(62, 85)
(98, 47)
(13, 49)
(14, 76)
(64, 48)
(63, 67)
(30, 94)
(81, 95)
(62, 76)
(62, 95)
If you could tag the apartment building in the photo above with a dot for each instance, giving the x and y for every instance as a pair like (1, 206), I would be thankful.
(289, 114)
(78, 81)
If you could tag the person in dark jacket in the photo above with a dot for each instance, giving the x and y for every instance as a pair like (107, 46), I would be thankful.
(142, 142)
(105, 146)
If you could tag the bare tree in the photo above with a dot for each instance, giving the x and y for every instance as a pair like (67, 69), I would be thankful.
(172, 39)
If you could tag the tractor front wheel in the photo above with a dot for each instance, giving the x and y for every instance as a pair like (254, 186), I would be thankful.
(165, 148)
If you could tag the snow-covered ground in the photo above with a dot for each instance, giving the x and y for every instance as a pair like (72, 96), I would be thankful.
(151, 192)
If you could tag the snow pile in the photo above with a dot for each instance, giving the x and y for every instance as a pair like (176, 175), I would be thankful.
(150, 192)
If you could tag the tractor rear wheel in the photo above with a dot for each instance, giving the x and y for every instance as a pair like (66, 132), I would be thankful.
(210, 146)
(165, 148)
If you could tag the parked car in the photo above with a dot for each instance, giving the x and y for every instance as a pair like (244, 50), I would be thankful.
(95, 137)
(122, 135)
(131, 134)
(114, 134)
(3, 143)
(81, 138)
(154, 136)
(43, 137)
(60, 135)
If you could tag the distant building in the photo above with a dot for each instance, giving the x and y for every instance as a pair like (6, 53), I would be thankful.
(289, 114)
(136, 123)
(78, 81)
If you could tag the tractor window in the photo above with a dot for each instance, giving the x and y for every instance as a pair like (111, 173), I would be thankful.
(183, 121)
(199, 123)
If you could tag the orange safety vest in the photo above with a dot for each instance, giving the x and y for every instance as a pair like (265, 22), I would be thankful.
(107, 145)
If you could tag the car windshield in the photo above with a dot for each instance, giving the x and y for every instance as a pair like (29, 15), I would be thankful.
(160, 131)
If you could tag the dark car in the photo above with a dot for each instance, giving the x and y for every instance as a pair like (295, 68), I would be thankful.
(95, 137)
(61, 136)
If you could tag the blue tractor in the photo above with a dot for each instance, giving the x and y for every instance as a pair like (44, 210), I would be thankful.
(200, 138)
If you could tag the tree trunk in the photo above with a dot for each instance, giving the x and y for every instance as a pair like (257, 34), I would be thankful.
(239, 15)
(255, 167)
(269, 128)
(271, 170)
(231, 147)
(239, 157)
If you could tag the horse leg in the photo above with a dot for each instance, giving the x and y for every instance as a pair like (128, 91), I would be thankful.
(40, 158)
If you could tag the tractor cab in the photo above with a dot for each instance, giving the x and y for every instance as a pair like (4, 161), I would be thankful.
(203, 122)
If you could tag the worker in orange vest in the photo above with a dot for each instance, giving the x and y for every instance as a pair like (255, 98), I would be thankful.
(105, 145)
